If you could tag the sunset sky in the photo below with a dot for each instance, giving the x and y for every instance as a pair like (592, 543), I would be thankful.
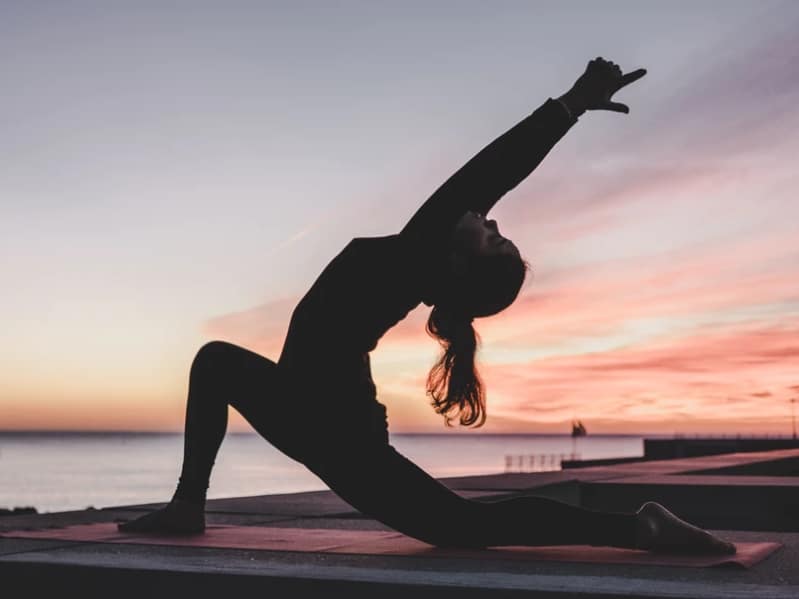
(177, 172)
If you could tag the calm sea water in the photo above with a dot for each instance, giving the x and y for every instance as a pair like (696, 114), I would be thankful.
(58, 472)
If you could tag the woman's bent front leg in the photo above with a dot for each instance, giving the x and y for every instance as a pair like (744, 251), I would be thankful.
(221, 374)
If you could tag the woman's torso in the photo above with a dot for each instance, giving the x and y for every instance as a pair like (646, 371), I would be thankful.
(372, 284)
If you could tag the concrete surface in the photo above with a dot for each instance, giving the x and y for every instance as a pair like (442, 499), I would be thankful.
(743, 508)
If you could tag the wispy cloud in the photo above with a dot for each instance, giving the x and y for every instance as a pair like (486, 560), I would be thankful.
(708, 375)
(291, 239)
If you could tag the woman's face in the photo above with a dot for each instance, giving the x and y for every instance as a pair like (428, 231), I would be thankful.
(474, 234)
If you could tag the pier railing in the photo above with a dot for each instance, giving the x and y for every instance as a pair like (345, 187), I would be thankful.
(538, 462)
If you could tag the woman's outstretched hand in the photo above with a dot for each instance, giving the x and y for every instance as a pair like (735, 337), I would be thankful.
(661, 531)
(594, 88)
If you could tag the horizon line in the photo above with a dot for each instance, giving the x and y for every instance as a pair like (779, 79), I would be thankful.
(76, 432)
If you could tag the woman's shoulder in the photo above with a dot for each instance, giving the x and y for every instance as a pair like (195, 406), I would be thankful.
(392, 254)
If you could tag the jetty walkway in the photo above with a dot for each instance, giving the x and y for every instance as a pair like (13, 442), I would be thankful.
(315, 545)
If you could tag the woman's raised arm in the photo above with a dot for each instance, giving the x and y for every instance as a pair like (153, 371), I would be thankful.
(509, 159)
(495, 170)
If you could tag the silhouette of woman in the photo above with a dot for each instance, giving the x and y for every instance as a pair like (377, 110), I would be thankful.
(318, 403)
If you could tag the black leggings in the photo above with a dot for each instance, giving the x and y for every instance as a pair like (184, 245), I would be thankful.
(373, 477)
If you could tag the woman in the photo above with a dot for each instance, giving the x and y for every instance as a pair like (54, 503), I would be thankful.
(318, 403)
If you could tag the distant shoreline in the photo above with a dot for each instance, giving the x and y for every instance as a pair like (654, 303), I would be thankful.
(73, 433)
(464, 433)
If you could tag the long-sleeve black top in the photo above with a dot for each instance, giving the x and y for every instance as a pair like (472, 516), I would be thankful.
(375, 282)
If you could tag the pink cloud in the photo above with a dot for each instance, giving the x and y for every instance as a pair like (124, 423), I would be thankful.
(704, 375)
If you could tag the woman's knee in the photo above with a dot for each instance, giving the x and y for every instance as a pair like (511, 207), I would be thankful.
(212, 356)
(243, 373)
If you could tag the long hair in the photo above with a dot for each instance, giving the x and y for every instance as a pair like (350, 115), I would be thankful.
(489, 285)
(453, 381)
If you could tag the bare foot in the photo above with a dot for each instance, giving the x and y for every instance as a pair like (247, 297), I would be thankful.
(178, 517)
(661, 531)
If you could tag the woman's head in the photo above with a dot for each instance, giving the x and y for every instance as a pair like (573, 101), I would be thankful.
(475, 234)
(483, 276)
(484, 270)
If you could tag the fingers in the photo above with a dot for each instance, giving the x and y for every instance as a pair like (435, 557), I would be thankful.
(634, 76)
(611, 66)
(601, 63)
(603, 79)
(616, 107)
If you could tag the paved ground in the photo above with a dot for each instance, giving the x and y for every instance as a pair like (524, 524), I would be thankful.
(44, 567)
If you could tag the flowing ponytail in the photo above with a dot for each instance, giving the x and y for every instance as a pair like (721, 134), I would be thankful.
(453, 381)
(489, 285)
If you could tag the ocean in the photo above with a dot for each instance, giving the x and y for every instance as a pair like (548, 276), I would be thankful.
(56, 472)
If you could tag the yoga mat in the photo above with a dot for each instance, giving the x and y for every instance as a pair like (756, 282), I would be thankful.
(372, 542)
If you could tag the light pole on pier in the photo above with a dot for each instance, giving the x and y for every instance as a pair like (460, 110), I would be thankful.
(793, 416)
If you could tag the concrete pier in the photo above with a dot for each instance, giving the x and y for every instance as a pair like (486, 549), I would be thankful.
(743, 497)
